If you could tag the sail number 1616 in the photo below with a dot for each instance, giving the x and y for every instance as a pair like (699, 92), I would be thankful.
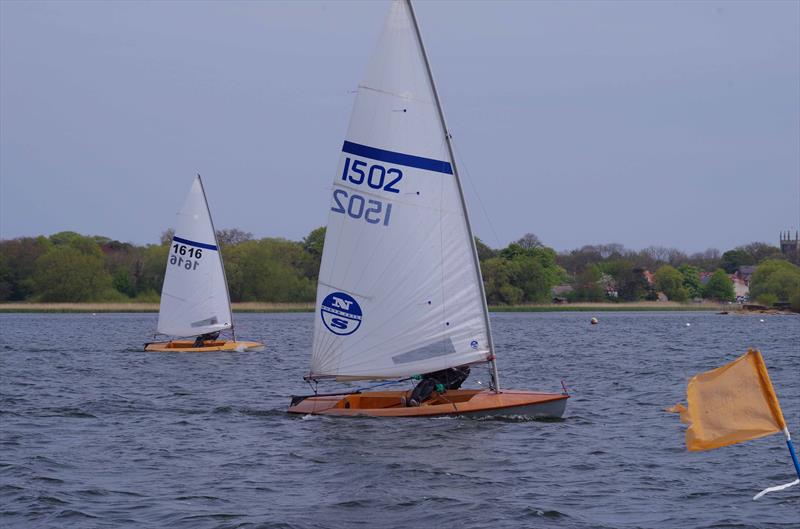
(182, 254)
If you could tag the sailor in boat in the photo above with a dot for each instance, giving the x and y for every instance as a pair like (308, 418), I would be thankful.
(440, 381)
(208, 337)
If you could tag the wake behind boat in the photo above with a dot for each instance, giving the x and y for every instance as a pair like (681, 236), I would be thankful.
(194, 299)
(400, 289)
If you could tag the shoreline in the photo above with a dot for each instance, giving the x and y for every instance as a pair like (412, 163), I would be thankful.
(258, 307)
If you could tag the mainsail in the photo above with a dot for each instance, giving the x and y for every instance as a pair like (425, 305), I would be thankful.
(194, 298)
(399, 288)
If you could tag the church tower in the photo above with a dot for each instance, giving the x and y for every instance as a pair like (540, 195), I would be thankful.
(790, 247)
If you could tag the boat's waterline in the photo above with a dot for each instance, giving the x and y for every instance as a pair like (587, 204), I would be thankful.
(186, 346)
(465, 402)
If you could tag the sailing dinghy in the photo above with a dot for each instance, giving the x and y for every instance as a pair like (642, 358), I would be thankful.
(400, 289)
(194, 298)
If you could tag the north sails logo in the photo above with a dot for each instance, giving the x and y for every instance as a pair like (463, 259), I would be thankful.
(340, 313)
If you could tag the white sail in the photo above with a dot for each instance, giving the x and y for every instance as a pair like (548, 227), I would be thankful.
(194, 298)
(399, 291)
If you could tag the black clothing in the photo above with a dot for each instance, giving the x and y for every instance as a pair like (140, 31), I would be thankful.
(451, 378)
(211, 336)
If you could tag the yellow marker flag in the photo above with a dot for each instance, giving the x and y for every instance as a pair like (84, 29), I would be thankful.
(731, 404)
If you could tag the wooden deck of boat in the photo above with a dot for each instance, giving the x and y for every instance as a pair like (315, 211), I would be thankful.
(467, 402)
(187, 346)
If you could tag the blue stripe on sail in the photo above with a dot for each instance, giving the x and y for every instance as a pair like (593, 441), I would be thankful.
(194, 243)
(409, 160)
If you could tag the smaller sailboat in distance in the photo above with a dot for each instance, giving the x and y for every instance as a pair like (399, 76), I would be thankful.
(400, 291)
(195, 304)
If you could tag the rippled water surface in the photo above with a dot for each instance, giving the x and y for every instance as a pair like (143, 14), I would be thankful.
(97, 433)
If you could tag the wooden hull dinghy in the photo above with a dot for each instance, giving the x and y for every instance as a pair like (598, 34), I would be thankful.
(400, 292)
(460, 402)
(187, 346)
(194, 297)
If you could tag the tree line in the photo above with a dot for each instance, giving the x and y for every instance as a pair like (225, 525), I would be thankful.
(70, 267)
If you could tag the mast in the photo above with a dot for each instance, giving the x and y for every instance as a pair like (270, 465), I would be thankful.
(219, 250)
(495, 376)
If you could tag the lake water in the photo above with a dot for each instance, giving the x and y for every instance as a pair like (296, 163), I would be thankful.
(96, 433)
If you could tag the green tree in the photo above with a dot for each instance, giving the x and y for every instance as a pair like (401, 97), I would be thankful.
(588, 285)
(761, 251)
(124, 262)
(496, 273)
(733, 259)
(691, 280)
(630, 281)
(314, 242)
(706, 260)
(233, 257)
(66, 238)
(795, 301)
(575, 261)
(529, 241)
(767, 299)
(6, 278)
(152, 270)
(484, 251)
(533, 270)
(719, 287)
(749, 254)
(65, 273)
(270, 270)
(670, 281)
(122, 283)
(18, 258)
(776, 278)
(166, 237)
(232, 236)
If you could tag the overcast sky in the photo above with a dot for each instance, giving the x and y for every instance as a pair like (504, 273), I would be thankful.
(642, 123)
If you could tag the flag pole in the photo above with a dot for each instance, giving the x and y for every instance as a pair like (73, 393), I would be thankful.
(772, 400)
(791, 450)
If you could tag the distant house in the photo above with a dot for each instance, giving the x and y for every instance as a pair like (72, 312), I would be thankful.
(561, 290)
(744, 273)
(650, 278)
(741, 288)
(609, 285)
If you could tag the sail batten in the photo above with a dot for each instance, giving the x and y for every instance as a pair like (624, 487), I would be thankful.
(194, 297)
(398, 290)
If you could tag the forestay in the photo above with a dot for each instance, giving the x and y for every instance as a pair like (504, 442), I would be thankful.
(194, 298)
(398, 292)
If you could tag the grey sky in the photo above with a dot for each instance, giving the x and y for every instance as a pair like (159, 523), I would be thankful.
(667, 123)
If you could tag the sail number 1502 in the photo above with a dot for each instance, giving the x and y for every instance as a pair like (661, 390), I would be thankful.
(355, 206)
(374, 176)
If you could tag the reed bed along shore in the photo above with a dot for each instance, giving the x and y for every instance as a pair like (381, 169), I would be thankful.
(309, 307)
(144, 307)
(625, 306)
